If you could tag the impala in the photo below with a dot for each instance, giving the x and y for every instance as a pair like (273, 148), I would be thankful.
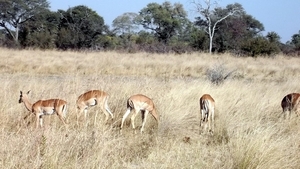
(140, 103)
(207, 111)
(289, 103)
(44, 107)
(93, 98)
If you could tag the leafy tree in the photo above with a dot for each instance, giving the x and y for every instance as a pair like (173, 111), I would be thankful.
(106, 42)
(14, 13)
(198, 39)
(145, 38)
(164, 20)
(212, 17)
(5, 39)
(125, 23)
(273, 37)
(296, 40)
(41, 31)
(237, 29)
(184, 33)
(79, 28)
(259, 46)
(274, 40)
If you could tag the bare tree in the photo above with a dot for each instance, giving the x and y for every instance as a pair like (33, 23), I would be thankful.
(14, 13)
(209, 14)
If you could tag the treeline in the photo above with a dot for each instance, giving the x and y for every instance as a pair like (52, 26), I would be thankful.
(156, 28)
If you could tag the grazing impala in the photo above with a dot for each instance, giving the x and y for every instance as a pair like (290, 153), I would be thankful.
(93, 98)
(140, 103)
(289, 103)
(207, 110)
(44, 107)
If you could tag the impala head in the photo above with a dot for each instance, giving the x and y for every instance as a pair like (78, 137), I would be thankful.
(23, 95)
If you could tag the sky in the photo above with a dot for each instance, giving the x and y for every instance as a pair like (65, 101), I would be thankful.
(280, 16)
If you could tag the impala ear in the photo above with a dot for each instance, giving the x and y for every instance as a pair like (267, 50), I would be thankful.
(20, 92)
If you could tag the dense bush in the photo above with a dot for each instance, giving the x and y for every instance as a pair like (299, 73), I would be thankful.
(157, 28)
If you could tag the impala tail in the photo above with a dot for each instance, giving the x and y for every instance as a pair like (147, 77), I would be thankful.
(154, 114)
(205, 106)
(130, 104)
(286, 103)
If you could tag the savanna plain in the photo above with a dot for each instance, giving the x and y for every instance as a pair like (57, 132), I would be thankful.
(249, 129)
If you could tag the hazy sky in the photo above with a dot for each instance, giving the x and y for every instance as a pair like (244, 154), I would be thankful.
(280, 16)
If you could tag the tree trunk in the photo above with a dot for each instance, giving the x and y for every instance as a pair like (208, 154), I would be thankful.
(16, 38)
(210, 44)
(211, 34)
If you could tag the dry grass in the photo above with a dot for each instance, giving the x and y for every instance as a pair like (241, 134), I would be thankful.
(248, 130)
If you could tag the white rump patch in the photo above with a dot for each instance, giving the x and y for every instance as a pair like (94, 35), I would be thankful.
(48, 110)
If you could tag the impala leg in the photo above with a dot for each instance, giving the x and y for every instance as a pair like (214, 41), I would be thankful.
(133, 117)
(286, 113)
(95, 117)
(209, 119)
(297, 112)
(283, 114)
(79, 111)
(27, 116)
(144, 119)
(107, 109)
(106, 114)
(289, 114)
(40, 120)
(37, 120)
(86, 119)
(85, 114)
(60, 116)
(125, 116)
(212, 120)
(202, 117)
(205, 121)
(64, 114)
(205, 126)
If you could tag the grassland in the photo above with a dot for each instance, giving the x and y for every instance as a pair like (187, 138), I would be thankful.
(249, 132)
